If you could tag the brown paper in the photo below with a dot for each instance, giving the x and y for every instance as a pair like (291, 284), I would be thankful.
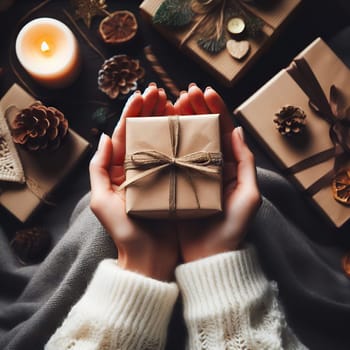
(258, 112)
(224, 67)
(43, 171)
(149, 197)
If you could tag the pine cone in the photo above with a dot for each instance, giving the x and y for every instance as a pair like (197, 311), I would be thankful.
(39, 127)
(290, 120)
(119, 75)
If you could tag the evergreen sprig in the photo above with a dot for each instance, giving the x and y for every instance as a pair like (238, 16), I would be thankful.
(212, 33)
(212, 45)
(174, 13)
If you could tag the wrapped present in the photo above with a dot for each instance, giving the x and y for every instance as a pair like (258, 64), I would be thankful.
(173, 166)
(302, 117)
(43, 170)
(245, 48)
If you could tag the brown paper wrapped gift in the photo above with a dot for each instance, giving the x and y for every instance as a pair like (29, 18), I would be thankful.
(224, 67)
(174, 166)
(308, 157)
(43, 171)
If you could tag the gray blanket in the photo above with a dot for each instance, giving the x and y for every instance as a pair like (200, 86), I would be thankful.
(304, 259)
(297, 248)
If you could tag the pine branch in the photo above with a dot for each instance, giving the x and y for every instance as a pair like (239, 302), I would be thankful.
(212, 45)
(174, 13)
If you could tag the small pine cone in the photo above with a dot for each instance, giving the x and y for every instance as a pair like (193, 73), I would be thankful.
(39, 127)
(290, 120)
(31, 245)
(119, 75)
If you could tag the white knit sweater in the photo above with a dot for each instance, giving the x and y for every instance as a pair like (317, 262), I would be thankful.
(228, 304)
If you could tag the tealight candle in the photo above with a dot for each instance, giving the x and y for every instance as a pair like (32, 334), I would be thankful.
(49, 52)
(236, 26)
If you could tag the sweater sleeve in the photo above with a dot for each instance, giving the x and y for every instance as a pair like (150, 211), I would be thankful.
(229, 304)
(119, 310)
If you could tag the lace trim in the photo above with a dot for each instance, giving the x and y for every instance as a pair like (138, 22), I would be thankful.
(10, 164)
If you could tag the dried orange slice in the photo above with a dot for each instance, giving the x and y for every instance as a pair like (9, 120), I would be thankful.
(346, 263)
(118, 27)
(341, 186)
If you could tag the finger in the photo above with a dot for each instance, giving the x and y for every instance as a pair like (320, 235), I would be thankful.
(99, 166)
(169, 108)
(117, 174)
(133, 108)
(150, 100)
(229, 172)
(197, 101)
(161, 103)
(183, 105)
(216, 105)
(246, 171)
(226, 143)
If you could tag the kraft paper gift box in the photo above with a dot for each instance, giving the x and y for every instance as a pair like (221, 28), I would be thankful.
(43, 171)
(291, 153)
(173, 191)
(222, 65)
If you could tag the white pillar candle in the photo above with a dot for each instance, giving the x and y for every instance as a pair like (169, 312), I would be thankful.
(49, 52)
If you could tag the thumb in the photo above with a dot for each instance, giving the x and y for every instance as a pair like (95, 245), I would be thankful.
(99, 166)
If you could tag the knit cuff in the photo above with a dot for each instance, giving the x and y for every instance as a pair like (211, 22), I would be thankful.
(129, 301)
(210, 285)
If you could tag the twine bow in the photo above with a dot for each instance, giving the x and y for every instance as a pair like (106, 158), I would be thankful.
(153, 161)
(335, 112)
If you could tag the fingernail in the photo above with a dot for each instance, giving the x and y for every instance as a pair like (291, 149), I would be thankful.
(191, 85)
(182, 92)
(161, 90)
(208, 88)
(102, 140)
(147, 89)
(152, 83)
(131, 97)
(240, 132)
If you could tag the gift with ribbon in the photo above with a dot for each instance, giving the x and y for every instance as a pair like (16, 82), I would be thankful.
(173, 166)
(221, 64)
(316, 82)
(39, 173)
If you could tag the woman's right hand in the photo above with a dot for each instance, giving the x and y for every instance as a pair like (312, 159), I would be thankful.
(146, 247)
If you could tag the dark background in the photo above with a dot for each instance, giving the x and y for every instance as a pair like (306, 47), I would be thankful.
(79, 101)
(313, 19)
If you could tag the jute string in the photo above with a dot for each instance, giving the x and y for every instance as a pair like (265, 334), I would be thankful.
(152, 161)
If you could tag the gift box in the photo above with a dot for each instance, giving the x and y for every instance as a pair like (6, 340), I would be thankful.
(173, 166)
(316, 83)
(222, 65)
(43, 171)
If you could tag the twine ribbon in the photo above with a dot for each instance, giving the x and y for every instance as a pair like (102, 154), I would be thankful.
(152, 161)
(335, 112)
(204, 10)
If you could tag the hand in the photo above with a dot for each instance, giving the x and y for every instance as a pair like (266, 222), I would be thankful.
(146, 247)
(221, 233)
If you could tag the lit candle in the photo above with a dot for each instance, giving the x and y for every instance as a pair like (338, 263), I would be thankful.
(49, 52)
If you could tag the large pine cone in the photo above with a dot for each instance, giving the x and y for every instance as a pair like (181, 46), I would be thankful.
(39, 127)
(119, 75)
(290, 120)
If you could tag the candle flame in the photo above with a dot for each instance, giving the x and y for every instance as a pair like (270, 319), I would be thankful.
(45, 47)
